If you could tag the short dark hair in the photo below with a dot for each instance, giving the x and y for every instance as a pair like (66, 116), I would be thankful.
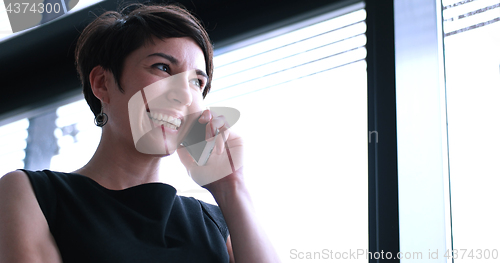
(111, 37)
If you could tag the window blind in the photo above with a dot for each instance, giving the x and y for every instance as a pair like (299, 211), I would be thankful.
(306, 51)
(467, 15)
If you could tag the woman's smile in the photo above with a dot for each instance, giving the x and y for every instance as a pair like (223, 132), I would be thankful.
(167, 83)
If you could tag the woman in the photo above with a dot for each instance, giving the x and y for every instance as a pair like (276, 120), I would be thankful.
(113, 209)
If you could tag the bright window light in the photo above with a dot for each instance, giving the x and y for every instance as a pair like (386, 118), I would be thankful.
(472, 60)
(12, 144)
(77, 136)
(303, 104)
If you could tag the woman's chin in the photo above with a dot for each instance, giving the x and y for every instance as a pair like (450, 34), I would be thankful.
(153, 143)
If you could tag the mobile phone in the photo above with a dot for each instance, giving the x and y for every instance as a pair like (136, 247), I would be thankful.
(196, 144)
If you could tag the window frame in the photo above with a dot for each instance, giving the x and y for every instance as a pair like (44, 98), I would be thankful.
(382, 156)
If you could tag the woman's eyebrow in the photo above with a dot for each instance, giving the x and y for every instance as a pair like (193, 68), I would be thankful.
(170, 58)
(200, 72)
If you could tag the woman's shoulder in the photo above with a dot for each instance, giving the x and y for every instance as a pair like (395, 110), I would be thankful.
(212, 212)
(12, 176)
(15, 191)
(15, 185)
(47, 180)
(30, 231)
(14, 182)
(46, 174)
(207, 208)
(19, 185)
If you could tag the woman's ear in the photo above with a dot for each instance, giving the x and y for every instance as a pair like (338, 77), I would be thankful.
(99, 81)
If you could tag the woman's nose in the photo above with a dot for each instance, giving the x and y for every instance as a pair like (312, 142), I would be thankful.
(179, 90)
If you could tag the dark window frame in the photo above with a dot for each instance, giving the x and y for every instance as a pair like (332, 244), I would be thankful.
(382, 156)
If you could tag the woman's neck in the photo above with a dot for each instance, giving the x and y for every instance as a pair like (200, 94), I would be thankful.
(116, 166)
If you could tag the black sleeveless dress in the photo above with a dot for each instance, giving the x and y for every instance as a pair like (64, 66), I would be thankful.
(147, 223)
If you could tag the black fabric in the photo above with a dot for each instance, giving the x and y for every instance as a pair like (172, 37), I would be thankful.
(145, 223)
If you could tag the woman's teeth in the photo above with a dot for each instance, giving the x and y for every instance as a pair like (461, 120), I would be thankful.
(165, 120)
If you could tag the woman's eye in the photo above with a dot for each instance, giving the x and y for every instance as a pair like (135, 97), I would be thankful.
(162, 67)
(197, 82)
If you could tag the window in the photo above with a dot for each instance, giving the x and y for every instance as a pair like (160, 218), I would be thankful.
(447, 79)
(13, 138)
(77, 136)
(303, 104)
(472, 63)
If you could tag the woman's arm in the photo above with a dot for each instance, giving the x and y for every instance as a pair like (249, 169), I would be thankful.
(223, 177)
(24, 232)
(230, 250)
(248, 239)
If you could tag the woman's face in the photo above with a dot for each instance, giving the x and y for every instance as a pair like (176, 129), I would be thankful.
(163, 84)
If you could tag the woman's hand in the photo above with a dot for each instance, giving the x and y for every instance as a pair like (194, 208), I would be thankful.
(225, 163)
(222, 175)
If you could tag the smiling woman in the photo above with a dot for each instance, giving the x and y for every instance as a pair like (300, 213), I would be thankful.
(113, 36)
(151, 85)
(145, 72)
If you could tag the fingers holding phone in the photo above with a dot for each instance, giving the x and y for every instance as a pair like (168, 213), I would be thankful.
(215, 130)
(220, 124)
(226, 145)
(195, 141)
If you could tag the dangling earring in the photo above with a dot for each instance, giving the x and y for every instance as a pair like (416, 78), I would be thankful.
(101, 119)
